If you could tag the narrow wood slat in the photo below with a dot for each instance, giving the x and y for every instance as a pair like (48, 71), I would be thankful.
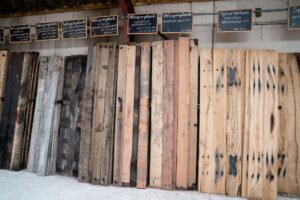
(156, 115)
(168, 139)
(183, 116)
(289, 134)
(128, 114)
(144, 116)
(193, 114)
(4, 57)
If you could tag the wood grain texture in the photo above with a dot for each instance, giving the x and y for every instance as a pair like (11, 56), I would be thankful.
(168, 151)
(144, 116)
(4, 57)
(289, 133)
(69, 134)
(183, 117)
(156, 115)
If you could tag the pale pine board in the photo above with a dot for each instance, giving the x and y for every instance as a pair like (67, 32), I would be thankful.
(4, 56)
(289, 133)
(156, 115)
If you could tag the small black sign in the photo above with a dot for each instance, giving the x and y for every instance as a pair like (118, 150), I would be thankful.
(47, 31)
(142, 24)
(19, 34)
(74, 29)
(104, 26)
(294, 18)
(177, 22)
(1, 35)
(235, 21)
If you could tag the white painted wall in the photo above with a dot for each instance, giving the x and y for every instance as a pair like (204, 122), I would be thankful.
(271, 35)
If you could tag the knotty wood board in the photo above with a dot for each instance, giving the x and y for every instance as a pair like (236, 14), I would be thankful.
(289, 133)
(183, 116)
(68, 141)
(168, 151)
(119, 121)
(193, 112)
(84, 174)
(235, 121)
(156, 115)
(144, 116)
(4, 57)
(128, 114)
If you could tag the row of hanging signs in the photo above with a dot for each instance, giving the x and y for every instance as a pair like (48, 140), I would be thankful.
(228, 21)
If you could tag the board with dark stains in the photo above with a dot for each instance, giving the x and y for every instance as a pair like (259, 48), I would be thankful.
(4, 56)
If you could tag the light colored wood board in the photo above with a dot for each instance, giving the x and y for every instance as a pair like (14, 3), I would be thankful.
(206, 124)
(156, 115)
(4, 56)
(235, 121)
(183, 117)
(193, 114)
(256, 101)
(271, 124)
(87, 116)
(119, 118)
(289, 136)
(168, 151)
(128, 113)
(245, 148)
(144, 116)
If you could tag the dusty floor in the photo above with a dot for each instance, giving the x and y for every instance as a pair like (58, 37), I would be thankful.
(27, 186)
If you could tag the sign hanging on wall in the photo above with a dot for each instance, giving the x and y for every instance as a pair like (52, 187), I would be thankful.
(19, 33)
(177, 22)
(235, 21)
(142, 24)
(2, 40)
(294, 18)
(47, 31)
(74, 29)
(104, 26)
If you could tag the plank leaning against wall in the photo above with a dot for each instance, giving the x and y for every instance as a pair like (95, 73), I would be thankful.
(4, 56)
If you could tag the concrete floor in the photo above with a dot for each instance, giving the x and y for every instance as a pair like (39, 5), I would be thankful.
(27, 186)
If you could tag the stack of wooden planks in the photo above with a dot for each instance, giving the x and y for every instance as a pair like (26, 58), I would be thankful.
(17, 115)
(70, 123)
(44, 133)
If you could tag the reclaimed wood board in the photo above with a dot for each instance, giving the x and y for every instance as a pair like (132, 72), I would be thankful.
(70, 125)
(84, 174)
(289, 130)
(43, 143)
(4, 57)
(103, 115)
(144, 116)
(156, 114)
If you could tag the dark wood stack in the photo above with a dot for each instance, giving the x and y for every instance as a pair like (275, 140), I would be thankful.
(70, 124)
(19, 103)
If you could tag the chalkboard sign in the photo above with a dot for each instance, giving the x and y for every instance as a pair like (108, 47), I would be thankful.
(177, 22)
(235, 21)
(1, 35)
(294, 18)
(104, 26)
(142, 24)
(74, 29)
(19, 34)
(47, 31)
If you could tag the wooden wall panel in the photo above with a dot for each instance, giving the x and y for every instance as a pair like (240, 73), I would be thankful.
(289, 133)
(4, 57)
(69, 134)
(156, 115)
(144, 116)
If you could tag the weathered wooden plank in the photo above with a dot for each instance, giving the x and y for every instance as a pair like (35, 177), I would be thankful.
(167, 178)
(193, 114)
(87, 116)
(144, 116)
(4, 57)
(289, 133)
(156, 115)
(68, 148)
(183, 117)
(235, 120)
(119, 121)
(128, 113)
